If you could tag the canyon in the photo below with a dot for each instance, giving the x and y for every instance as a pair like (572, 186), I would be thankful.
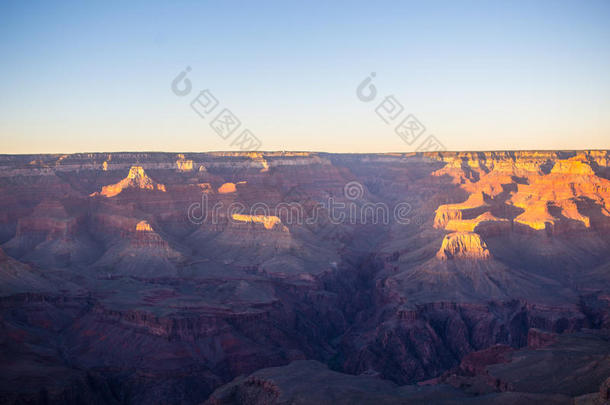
(226, 278)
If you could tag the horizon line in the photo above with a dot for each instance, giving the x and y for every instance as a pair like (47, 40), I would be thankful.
(305, 151)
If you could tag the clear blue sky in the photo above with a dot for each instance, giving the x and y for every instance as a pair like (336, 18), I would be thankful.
(95, 76)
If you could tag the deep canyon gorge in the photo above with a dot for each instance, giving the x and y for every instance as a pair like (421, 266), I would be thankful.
(494, 288)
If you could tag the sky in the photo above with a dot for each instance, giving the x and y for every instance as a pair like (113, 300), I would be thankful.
(476, 75)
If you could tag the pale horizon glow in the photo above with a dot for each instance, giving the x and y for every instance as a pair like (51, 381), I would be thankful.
(96, 76)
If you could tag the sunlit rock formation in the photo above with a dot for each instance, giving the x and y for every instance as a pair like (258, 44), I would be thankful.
(227, 188)
(463, 245)
(485, 223)
(139, 252)
(184, 165)
(268, 221)
(473, 205)
(143, 226)
(136, 178)
(529, 189)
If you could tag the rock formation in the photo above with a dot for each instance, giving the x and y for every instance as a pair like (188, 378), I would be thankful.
(268, 221)
(136, 178)
(463, 245)
(128, 278)
(227, 188)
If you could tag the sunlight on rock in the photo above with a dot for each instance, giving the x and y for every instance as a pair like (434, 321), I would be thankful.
(227, 188)
(143, 226)
(268, 221)
(136, 178)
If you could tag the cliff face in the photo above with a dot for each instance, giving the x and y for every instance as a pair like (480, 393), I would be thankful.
(158, 277)
(463, 245)
(533, 190)
(570, 370)
(136, 178)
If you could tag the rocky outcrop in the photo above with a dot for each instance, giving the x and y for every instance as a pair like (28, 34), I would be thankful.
(136, 178)
(268, 221)
(184, 165)
(51, 236)
(502, 368)
(474, 205)
(539, 338)
(227, 188)
(463, 245)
